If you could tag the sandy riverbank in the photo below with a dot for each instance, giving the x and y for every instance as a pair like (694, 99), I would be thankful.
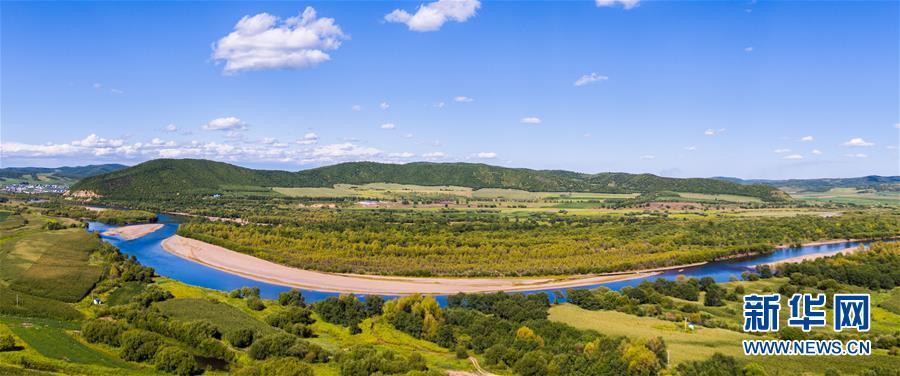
(266, 271)
(133, 231)
(814, 256)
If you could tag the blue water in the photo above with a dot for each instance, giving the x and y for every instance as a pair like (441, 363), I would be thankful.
(148, 250)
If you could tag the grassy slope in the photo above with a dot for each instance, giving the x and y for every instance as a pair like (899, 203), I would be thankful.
(704, 342)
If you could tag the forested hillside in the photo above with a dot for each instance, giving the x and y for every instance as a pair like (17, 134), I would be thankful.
(57, 174)
(187, 176)
(874, 182)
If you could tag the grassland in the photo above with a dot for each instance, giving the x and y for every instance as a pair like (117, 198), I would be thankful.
(704, 342)
(851, 196)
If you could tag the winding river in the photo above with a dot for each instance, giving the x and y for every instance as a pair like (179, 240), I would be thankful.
(148, 250)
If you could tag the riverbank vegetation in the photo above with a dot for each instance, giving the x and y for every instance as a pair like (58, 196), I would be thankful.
(465, 243)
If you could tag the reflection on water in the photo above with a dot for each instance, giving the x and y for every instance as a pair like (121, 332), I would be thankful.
(149, 252)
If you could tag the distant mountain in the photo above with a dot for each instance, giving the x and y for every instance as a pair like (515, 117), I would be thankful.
(63, 175)
(874, 182)
(171, 176)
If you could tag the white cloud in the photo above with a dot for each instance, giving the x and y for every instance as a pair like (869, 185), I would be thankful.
(384, 105)
(308, 139)
(116, 91)
(356, 108)
(402, 155)
(264, 41)
(434, 155)
(171, 128)
(486, 155)
(96, 85)
(462, 99)
(748, 49)
(856, 155)
(388, 126)
(806, 139)
(94, 141)
(269, 140)
(440, 105)
(344, 150)
(647, 156)
(816, 152)
(589, 79)
(230, 123)
(47, 150)
(793, 156)
(713, 132)
(857, 142)
(897, 125)
(530, 120)
(690, 148)
(408, 135)
(627, 4)
(431, 16)
(781, 151)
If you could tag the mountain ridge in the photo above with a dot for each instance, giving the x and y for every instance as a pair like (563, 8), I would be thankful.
(195, 176)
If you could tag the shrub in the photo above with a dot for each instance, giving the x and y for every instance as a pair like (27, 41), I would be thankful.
(294, 315)
(241, 338)
(152, 294)
(273, 345)
(175, 360)
(102, 331)
(292, 298)
(139, 345)
(255, 303)
(7, 343)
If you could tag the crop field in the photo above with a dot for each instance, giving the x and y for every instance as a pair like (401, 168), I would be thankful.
(125, 293)
(727, 198)
(224, 316)
(52, 264)
(851, 196)
(51, 339)
(704, 342)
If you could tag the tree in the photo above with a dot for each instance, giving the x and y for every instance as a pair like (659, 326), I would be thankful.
(717, 365)
(102, 331)
(139, 345)
(241, 338)
(255, 303)
(640, 360)
(175, 360)
(533, 363)
(714, 295)
(292, 298)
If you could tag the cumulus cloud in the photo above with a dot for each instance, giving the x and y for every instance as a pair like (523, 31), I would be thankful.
(858, 142)
(171, 128)
(462, 99)
(402, 155)
(434, 155)
(384, 105)
(897, 125)
(308, 139)
(806, 139)
(748, 49)
(647, 156)
(781, 151)
(439, 105)
(713, 132)
(388, 126)
(530, 120)
(431, 16)
(589, 79)
(264, 41)
(793, 156)
(856, 155)
(627, 4)
(816, 152)
(356, 108)
(230, 123)
(486, 155)
(93, 140)
(343, 150)
(690, 148)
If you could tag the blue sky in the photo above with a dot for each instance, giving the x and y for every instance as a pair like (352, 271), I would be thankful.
(755, 90)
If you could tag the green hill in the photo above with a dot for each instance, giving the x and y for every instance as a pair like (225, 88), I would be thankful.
(190, 176)
(57, 175)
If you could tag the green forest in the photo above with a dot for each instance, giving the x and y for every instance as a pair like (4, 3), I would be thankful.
(468, 243)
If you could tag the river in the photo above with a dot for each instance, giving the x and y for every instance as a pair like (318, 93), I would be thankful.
(148, 250)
